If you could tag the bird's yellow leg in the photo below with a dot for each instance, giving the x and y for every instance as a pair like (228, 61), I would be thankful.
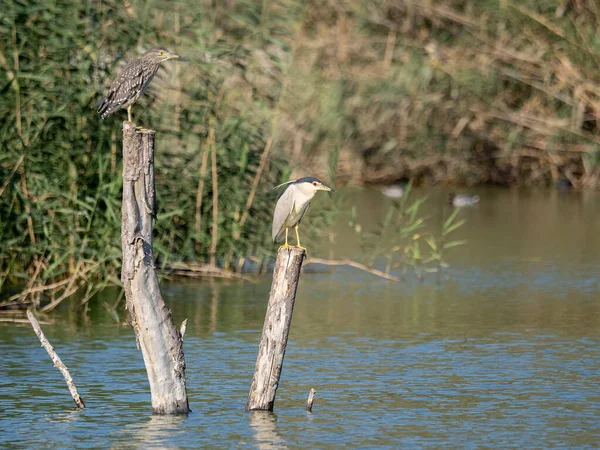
(298, 240)
(129, 118)
(286, 245)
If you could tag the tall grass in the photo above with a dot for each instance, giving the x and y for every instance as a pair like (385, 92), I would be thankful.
(60, 164)
(450, 91)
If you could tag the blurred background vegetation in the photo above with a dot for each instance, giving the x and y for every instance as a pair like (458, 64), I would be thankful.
(353, 92)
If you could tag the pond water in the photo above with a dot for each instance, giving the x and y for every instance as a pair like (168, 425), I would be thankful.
(504, 353)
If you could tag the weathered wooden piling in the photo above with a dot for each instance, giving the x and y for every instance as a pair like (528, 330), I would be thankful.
(158, 339)
(273, 342)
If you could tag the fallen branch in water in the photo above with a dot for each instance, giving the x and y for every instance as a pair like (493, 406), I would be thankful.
(53, 288)
(56, 360)
(349, 262)
(14, 320)
(201, 270)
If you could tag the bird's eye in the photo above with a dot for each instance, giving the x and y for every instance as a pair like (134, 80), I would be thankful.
(162, 53)
(314, 183)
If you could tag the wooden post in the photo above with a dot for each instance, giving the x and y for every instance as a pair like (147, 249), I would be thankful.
(56, 360)
(276, 330)
(311, 399)
(160, 342)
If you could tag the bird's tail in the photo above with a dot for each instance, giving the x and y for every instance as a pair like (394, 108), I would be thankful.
(106, 107)
(102, 105)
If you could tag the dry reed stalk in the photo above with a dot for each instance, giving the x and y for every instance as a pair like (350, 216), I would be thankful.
(177, 88)
(203, 166)
(69, 290)
(37, 262)
(27, 208)
(259, 171)
(54, 286)
(15, 320)
(228, 259)
(215, 188)
(199, 194)
(445, 13)
(16, 82)
(12, 172)
(389, 49)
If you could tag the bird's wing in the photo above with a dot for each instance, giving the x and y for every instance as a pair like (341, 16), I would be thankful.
(283, 208)
(306, 208)
(124, 88)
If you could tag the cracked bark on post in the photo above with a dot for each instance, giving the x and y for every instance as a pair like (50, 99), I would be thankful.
(273, 342)
(160, 342)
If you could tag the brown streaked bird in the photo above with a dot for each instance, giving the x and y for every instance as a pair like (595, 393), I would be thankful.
(132, 81)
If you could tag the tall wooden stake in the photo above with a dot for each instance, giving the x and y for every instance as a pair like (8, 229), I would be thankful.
(160, 342)
(276, 330)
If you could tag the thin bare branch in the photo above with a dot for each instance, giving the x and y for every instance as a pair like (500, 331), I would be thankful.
(261, 166)
(357, 265)
(56, 360)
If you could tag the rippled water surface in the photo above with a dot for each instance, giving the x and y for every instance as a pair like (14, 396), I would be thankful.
(505, 353)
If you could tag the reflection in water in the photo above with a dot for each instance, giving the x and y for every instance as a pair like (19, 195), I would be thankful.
(67, 416)
(265, 430)
(214, 304)
(157, 432)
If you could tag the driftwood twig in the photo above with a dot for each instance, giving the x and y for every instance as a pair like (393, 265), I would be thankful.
(349, 262)
(56, 360)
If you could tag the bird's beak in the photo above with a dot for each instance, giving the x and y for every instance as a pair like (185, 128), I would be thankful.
(322, 187)
(176, 56)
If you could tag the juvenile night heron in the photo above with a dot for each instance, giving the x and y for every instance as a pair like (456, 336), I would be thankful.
(292, 204)
(133, 81)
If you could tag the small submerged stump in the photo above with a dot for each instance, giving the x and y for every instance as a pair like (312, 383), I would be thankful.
(311, 399)
(158, 339)
(273, 342)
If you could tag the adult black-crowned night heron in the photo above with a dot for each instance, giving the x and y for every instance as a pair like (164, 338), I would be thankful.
(133, 81)
(292, 204)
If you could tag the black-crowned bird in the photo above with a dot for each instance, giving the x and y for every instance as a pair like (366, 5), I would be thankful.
(292, 205)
